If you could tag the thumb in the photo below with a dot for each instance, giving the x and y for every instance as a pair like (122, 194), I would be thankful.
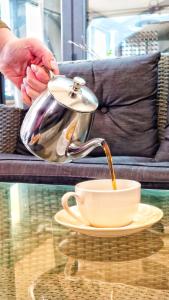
(43, 56)
(49, 62)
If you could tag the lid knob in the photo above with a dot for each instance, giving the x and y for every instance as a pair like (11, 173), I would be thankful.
(78, 82)
(73, 93)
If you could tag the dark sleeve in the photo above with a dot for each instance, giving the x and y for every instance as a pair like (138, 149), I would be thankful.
(3, 25)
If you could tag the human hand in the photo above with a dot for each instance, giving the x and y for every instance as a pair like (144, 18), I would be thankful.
(16, 55)
(34, 83)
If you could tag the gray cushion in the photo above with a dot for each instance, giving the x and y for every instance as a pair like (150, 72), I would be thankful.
(126, 89)
(79, 68)
(20, 168)
(127, 116)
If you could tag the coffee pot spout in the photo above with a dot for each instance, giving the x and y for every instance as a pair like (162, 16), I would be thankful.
(81, 150)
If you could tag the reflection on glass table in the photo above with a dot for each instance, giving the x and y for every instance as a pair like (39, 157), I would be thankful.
(40, 259)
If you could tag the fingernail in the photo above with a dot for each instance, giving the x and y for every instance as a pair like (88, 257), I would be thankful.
(24, 81)
(28, 69)
(34, 68)
(22, 87)
(54, 64)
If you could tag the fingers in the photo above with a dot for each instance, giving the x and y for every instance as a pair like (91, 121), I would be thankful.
(25, 97)
(36, 80)
(54, 66)
(34, 83)
(39, 74)
(33, 94)
(43, 55)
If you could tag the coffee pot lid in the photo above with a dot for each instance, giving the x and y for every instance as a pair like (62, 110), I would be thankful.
(73, 94)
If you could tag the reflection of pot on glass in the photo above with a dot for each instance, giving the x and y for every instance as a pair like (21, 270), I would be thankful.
(121, 259)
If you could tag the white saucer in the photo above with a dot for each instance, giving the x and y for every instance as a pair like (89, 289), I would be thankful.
(146, 216)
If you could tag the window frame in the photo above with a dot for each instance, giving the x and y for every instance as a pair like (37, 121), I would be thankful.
(73, 28)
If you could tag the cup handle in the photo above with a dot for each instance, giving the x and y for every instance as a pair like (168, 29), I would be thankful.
(66, 206)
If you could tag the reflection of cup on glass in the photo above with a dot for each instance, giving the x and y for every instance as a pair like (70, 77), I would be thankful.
(101, 206)
(107, 259)
(105, 271)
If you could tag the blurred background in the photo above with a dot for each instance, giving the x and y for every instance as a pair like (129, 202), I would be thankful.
(88, 29)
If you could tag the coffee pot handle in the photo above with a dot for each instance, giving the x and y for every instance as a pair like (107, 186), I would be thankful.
(51, 74)
(65, 199)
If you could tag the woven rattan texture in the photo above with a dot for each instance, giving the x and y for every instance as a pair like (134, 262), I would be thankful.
(145, 43)
(10, 122)
(61, 288)
(40, 259)
(163, 93)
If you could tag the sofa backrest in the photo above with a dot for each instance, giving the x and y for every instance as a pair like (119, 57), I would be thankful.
(147, 42)
(127, 92)
(163, 80)
(80, 68)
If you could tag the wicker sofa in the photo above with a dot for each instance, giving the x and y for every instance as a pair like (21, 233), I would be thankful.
(20, 166)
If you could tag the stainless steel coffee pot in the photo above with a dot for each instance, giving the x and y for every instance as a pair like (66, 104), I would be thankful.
(57, 124)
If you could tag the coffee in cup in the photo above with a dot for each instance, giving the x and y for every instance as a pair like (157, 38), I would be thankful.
(101, 206)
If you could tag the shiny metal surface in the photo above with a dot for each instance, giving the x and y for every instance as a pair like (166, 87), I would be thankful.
(73, 93)
(57, 124)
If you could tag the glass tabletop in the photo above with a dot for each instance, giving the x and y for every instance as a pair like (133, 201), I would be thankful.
(40, 259)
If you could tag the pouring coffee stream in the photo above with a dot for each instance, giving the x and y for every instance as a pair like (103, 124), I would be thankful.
(57, 125)
(110, 164)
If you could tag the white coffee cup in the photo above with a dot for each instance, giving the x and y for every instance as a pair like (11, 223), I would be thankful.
(99, 205)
